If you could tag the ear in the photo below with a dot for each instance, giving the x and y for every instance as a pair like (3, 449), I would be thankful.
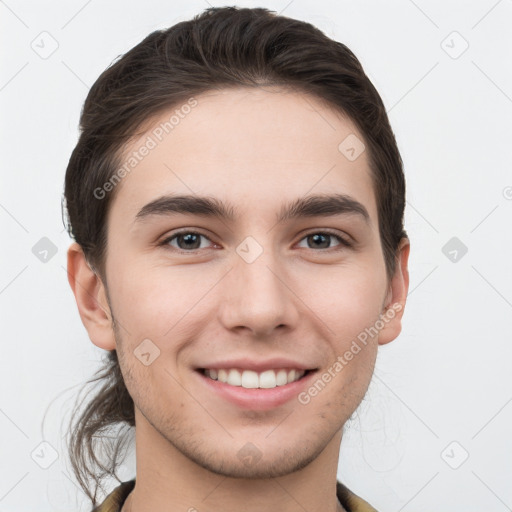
(91, 299)
(394, 304)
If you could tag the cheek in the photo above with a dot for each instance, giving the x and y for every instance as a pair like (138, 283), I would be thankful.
(143, 303)
(159, 302)
(348, 299)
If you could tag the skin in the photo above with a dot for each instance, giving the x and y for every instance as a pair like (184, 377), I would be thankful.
(258, 149)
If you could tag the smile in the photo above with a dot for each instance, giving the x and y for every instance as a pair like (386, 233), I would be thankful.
(250, 379)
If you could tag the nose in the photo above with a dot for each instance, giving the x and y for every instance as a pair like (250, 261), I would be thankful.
(259, 298)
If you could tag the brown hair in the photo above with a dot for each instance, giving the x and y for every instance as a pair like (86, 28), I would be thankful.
(219, 48)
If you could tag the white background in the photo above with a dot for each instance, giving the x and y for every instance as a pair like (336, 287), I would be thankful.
(446, 379)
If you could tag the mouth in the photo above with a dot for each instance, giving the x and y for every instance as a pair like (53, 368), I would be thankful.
(255, 384)
(249, 379)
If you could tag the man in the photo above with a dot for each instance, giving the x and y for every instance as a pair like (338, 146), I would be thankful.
(240, 254)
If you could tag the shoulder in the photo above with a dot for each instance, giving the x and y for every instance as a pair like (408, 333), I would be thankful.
(114, 501)
(351, 501)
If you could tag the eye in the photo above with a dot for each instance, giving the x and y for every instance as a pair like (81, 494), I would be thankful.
(187, 241)
(321, 240)
(190, 241)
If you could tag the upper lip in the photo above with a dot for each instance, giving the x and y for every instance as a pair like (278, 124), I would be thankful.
(257, 366)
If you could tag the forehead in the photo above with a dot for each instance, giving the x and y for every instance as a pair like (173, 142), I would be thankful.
(256, 147)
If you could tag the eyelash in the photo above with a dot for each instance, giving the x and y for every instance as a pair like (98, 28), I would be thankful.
(344, 243)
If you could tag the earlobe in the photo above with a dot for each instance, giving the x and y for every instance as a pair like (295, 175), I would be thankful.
(397, 296)
(90, 298)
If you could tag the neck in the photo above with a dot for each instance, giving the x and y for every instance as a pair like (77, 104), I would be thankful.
(167, 480)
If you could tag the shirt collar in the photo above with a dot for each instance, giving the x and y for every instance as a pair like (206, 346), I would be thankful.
(350, 501)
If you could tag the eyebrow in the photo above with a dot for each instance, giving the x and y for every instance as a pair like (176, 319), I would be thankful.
(310, 206)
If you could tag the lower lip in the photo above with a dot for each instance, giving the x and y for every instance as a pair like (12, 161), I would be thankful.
(257, 399)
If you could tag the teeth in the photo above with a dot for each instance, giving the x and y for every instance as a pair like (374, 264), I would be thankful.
(234, 378)
(250, 379)
(268, 379)
(282, 377)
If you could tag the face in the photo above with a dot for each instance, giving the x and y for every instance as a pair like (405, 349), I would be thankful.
(264, 287)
